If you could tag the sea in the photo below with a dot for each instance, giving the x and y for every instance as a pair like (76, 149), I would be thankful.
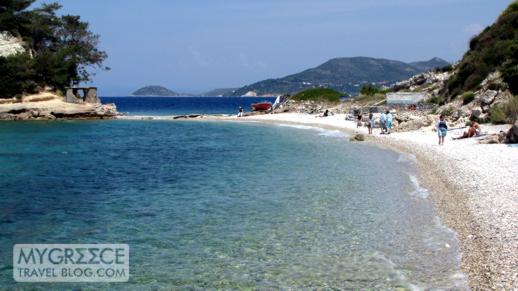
(222, 205)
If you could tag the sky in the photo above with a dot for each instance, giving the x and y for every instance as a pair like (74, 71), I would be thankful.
(193, 46)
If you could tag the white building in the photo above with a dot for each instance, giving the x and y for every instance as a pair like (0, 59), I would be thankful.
(406, 98)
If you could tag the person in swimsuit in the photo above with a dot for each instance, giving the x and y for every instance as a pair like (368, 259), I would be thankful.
(442, 129)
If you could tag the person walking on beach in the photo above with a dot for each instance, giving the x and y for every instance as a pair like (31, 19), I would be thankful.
(442, 129)
(383, 122)
(370, 123)
(240, 114)
(388, 126)
(359, 122)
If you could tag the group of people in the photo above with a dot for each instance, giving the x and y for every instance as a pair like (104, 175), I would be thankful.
(386, 120)
(441, 127)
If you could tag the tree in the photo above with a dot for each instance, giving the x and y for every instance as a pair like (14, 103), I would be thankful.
(12, 15)
(61, 49)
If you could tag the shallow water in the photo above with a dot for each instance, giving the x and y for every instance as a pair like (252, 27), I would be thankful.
(223, 205)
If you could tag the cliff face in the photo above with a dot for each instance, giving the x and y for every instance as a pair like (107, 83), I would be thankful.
(10, 45)
(49, 106)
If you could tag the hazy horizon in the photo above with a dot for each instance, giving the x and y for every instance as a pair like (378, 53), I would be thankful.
(193, 47)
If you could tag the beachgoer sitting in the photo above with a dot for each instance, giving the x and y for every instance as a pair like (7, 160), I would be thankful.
(326, 113)
(473, 130)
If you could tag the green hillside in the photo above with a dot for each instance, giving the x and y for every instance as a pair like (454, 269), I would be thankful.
(344, 75)
(496, 48)
(318, 94)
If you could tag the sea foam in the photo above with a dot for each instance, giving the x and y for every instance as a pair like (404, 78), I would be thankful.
(322, 131)
(418, 190)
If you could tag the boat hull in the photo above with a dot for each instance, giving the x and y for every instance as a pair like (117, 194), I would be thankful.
(261, 106)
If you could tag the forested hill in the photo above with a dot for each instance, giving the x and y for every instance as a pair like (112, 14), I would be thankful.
(495, 49)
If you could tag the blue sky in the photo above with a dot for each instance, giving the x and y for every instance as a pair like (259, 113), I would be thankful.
(198, 45)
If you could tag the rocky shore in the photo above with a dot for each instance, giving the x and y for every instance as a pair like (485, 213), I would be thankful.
(49, 106)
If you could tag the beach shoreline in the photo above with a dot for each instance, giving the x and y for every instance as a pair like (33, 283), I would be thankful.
(484, 221)
(471, 186)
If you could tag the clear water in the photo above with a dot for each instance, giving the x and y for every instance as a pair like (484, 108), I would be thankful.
(183, 105)
(209, 205)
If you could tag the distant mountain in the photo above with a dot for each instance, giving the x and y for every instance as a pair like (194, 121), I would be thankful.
(157, 91)
(430, 65)
(220, 92)
(343, 74)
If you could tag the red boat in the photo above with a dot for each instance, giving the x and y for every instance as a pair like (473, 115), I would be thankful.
(261, 106)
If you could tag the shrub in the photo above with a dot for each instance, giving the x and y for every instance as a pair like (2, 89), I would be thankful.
(447, 68)
(448, 111)
(497, 115)
(439, 100)
(370, 90)
(511, 110)
(319, 94)
(510, 76)
(468, 97)
(497, 86)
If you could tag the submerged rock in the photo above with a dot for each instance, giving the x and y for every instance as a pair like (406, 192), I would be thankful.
(357, 137)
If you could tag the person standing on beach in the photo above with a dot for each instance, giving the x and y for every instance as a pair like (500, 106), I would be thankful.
(370, 123)
(383, 122)
(389, 122)
(359, 122)
(442, 129)
(240, 114)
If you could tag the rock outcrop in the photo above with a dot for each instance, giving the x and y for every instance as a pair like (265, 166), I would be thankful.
(10, 45)
(512, 134)
(408, 121)
(48, 106)
(357, 137)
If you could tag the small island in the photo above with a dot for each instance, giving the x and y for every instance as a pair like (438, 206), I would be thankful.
(157, 91)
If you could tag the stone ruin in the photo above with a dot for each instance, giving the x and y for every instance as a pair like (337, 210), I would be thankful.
(89, 95)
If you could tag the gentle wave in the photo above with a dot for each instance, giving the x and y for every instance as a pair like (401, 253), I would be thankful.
(407, 158)
(333, 133)
(322, 131)
(419, 191)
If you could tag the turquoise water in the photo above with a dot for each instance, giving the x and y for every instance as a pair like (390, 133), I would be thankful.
(207, 205)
